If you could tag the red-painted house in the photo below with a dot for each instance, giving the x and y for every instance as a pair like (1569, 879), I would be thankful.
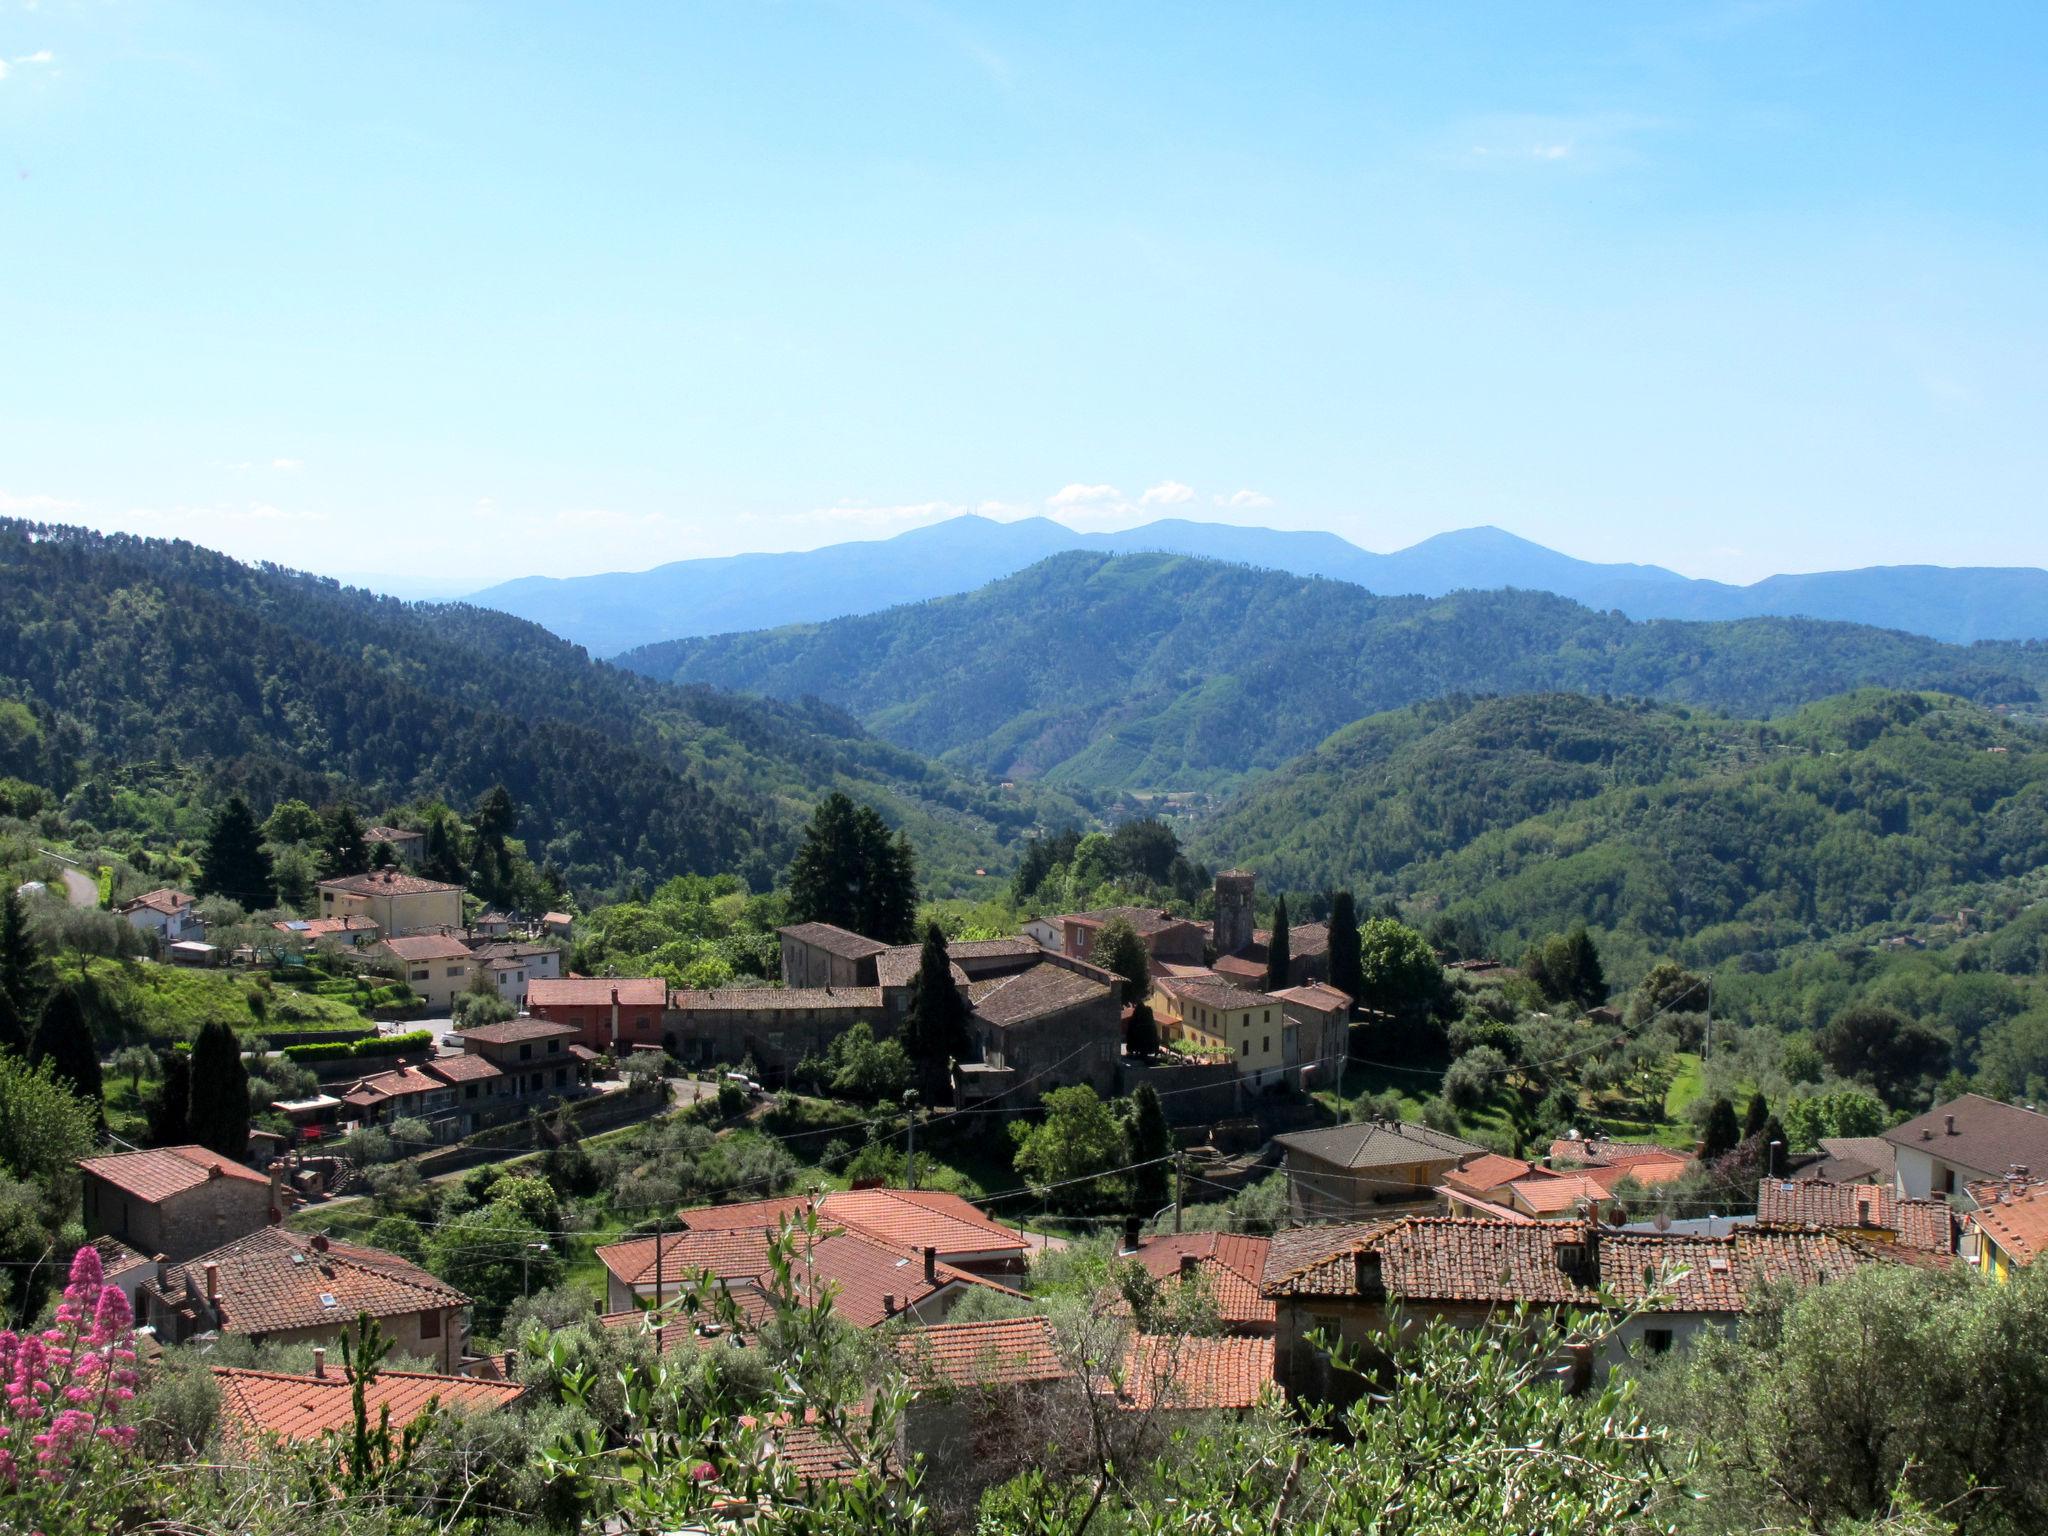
(611, 1011)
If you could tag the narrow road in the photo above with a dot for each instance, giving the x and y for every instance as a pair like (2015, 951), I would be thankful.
(80, 889)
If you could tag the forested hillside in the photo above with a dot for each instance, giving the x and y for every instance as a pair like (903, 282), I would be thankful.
(1162, 672)
(140, 653)
(1672, 834)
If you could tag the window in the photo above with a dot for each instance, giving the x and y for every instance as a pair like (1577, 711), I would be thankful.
(1265, 1044)
(1657, 1340)
(469, 1090)
(1244, 1047)
(1266, 1017)
(526, 1052)
(1948, 1181)
(454, 970)
(419, 975)
(561, 1076)
(554, 1047)
(430, 1325)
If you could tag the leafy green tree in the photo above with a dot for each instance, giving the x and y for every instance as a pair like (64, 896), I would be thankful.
(1669, 988)
(1148, 1141)
(233, 862)
(400, 1235)
(1839, 1112)
(495, 1254)
(169, 1105)
(292, 821)
(1071, 1155)
(63, 1040)
(867, 1070)
(849, 871)
(1566, 968)
(1398, 972)
(1345, 973)
(218, 1117)
(934, 1019)
(341, 843)
(44, 1126)
(1881, 1046)
(1721, 1134)
(1279, 955)
(1118, 947)
(24, 974)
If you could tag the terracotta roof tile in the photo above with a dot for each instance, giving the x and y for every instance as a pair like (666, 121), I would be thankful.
(1044, 989)
(778, 999)
(1822, 1203)
(1485, 1173)
(1147, 921)
(1316, 994)
(517, 1031)
(595, 992)
(274, 1280)
(165, 900)
(1231, 1264)
(386, 882)
(1372, 1144)
(254, 1404)
(421, 947)
(834, 940)
(760, 1215)
(675, 1328)
(1000, 1352)
(920, 1219)
(1195, 1374)
(163, 1172)
(465, 1068)
(2013, 1215)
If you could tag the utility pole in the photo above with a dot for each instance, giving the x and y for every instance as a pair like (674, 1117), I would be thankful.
(526, 1266)
(1179, 1189)
(910, 1158)
(660, 1231)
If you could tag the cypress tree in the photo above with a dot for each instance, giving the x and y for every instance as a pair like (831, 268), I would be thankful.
(441, 859)
(1721, 1134)
(23, 975)
(233, 863)
(1279, 960)
(170, 1108)
(1150, 1140)
(1142, 1039)
(63, 1038)
(935, 1020)
(219, 1116)
(1347, 974)
(1759, 1113)
(13, 1037)
(343, 847)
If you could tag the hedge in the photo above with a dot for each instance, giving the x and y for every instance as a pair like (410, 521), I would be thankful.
(370, 1045)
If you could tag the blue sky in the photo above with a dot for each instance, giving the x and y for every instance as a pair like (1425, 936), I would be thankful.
(456, 292)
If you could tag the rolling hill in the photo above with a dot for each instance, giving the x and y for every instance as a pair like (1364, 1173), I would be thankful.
(1163, 672)
(621, 610)
(133, 651)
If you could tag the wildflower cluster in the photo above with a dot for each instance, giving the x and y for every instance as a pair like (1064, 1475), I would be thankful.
(62, 1390)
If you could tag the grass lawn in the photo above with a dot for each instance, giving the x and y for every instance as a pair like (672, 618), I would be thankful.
(172, 1002)
(1622, 1119)
(1413, 1086)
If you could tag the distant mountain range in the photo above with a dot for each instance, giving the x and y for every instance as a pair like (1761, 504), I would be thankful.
(616, 612)
(1160, 672)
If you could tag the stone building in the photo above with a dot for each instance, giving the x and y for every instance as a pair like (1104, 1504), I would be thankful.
(822, 955)
(1354, 1172)
(177, 1201)
(1056, 1024)
(776, 1026)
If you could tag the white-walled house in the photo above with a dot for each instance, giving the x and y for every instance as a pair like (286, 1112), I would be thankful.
(1967, 1141)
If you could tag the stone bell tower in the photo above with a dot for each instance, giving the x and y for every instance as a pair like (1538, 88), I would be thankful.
(1234, 891)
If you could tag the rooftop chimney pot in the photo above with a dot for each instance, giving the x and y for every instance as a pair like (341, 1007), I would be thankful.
(1949, 1124)
(319, 1361)
(212, 1283)
(931, 1266)
(889, 1304)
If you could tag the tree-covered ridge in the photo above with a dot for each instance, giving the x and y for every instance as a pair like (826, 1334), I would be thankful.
(128, 651)
(1700, 838)
(1159, 671)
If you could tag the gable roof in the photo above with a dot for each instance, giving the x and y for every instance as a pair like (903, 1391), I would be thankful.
(1487, 1172)
(1825, 1204)
(1550, 1193)
(1316, 994)
(1232, 1264)
(386, 882)
(1042, 990)
(760, 1215)
(899, 967)
(162, 1172)
(1988, 1136)
(1854, 1159)
(1192, 1373)
(163, 899)
(428, 946)
(834, 940)
(465, 1068)
(1147, 921)
(864, 1273)
(517, 1031)
(1600, 1152)
(274, 1280)
(2012, 1215)
(1215, 992)
(920, 1219)
(777, 999)
(999, 1352)
(675, 1328)
(729, 1253)
(1378, 1144)
(596, 992)
(296, 1407)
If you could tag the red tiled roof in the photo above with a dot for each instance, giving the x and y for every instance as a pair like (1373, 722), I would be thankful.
(675, 1327)
(760, 1215)
(465, 1068)
(116, 1256)
(2013, 1215)
(428, 946)
(735, 1253)
(1194, 1373)
(163, 1172)
(1487, 1172)
(1924, 1224)
(863, 1272)
(777, 999)
(1598, 1152)
(595, 992)
(1231, 1264)
(274, 1280)
(386, 882)
(517, 1031)
(922, 1218)
(327, 927)
(392, 1084)
(163, 899)
(1034, 994)
(258, 1403)
(1145, 921)
(1316, 994)
(555, 917)
(1550, 1193)
(1000, 1352)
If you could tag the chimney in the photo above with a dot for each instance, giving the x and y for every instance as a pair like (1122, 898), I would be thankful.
(1189, 1264)
(931, 1266)
(889, 1304)
(1366, 1275)
(1130, 1234)
(212, 1284)
(163, 1274)
(319, 1242)
(276, 1191)
(1777, 1155)
(511, 1364)
(319, 1362)
(1948, 1124)
(615, 1018)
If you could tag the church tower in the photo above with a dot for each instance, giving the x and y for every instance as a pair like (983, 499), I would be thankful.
(1234, 891)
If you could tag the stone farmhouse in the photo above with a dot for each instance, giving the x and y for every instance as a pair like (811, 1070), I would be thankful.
(177, 1201)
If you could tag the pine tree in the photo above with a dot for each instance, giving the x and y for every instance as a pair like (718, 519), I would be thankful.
(233, 863)
(1721, 1133)
(1279, 957)
(1150, 1140)
(1345, 972)
(441, 859)
(219, 1116)
(851, 872)
(63, 1038)
(24, 976)
(934, 1020)
(1585, 977)
(1758, 1114)
(170, 1108)
(497, 816)
(342, 846)
(13, 1036)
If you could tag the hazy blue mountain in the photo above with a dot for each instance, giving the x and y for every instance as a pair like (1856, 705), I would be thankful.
(616, 612)
(1158, 671)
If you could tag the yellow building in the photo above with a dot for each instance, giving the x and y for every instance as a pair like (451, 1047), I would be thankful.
(396, 902)
(1208, 1017)
(2009, 1226)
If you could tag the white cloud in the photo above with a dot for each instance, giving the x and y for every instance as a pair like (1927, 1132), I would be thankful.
(1168, 493)
(1246, 500)
(287, 464)
(40, 56)
(32, 505)
(1078, 495)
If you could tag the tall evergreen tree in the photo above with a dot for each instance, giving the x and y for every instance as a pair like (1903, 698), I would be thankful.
(170, 1107)
(13, 1034)
(1721, 1134)
(1757, 1116)
(1150, 1140)
(934, 1020)
(1346, 974)
(497, 817)
(63, 1038)
(850, 872)
(342, 847)
(1586, 977)
(441, 859)
(1142, 1038)
(1279, 951)
(24, 976)
(219, 1116)
(234, 863)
